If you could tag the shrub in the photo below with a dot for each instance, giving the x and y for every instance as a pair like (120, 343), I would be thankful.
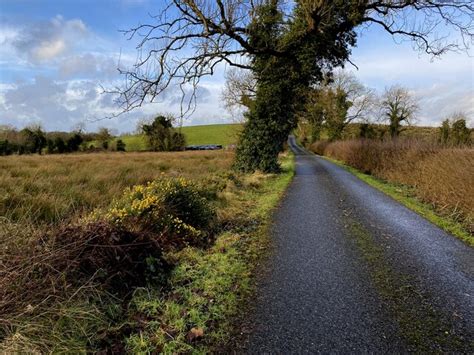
(73, 256)
(319, 147)
(120, 145)
(118, 258)
(161, 135)
(176, 209)
(59, 291)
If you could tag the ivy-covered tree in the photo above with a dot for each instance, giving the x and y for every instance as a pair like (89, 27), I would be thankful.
(460, 134)
(444, 131)
(334, 104)
(288, 46)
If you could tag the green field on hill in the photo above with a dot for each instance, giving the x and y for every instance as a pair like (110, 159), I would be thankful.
(224, 134)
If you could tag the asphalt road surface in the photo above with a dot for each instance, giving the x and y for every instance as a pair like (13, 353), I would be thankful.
(351, 270)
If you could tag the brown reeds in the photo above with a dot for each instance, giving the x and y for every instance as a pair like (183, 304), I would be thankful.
(440, 176)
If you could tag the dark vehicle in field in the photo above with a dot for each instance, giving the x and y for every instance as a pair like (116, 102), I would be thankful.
(204, 147)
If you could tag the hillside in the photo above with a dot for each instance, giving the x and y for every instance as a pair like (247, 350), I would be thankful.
(223, 134)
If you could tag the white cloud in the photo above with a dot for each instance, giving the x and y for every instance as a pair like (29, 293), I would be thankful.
(443, 100)
(74, 63)
(444, 85)
(49, 49)
(88, 65)
(61, 105)
(44, 41)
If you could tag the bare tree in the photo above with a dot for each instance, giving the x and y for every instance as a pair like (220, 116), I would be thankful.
(362, 99)
(337, 103)
(239, 90)
(399, 108)
(188, 39)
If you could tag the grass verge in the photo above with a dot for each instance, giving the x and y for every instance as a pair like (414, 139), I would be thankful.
(404, 194)
(210, 286)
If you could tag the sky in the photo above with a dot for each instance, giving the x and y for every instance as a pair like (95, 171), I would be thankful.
(57, 56)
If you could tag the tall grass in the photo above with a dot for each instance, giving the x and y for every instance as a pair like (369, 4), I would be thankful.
(46, 303)
(49, 189)
(440, 176)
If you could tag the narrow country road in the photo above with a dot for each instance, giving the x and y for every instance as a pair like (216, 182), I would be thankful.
(352, 270)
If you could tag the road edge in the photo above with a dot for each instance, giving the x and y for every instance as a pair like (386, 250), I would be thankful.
(402, 195)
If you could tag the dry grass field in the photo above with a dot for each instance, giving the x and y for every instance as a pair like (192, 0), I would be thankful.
(55, 188)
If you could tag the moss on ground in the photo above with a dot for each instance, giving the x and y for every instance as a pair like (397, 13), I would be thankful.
(424, 328)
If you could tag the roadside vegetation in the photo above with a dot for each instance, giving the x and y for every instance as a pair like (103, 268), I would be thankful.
(431, 176)
(407, 195)
(376, 135)
(138, 252)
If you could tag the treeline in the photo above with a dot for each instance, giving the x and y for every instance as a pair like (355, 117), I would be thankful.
(159, 133)
(34, 140)
(333, 108)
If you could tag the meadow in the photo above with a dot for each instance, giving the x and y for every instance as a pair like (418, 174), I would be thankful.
(128, 252)
(53, 188)
(223, 134)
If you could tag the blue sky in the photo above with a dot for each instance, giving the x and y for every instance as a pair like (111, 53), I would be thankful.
(55, 55)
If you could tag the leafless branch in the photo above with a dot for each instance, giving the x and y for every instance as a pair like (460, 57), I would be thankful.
(189, 39)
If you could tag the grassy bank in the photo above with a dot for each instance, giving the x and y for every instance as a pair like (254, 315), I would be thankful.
(432, 181)
(58, 292)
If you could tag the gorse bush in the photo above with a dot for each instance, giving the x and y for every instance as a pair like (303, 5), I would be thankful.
(176, 209)
(101, 260)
